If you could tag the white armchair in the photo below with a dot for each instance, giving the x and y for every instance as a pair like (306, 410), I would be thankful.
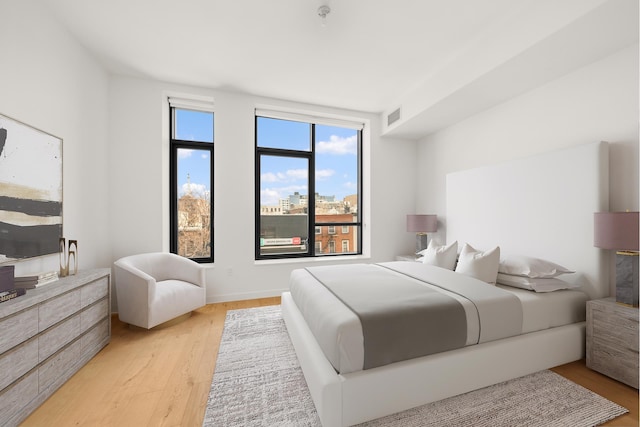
(153, 288)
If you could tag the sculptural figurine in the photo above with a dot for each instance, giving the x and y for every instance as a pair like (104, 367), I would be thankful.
(66, 255)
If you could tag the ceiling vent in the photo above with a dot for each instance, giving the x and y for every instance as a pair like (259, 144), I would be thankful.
(393, 117)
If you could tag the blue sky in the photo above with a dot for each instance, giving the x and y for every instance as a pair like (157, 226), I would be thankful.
(336, 160)
(336, 157)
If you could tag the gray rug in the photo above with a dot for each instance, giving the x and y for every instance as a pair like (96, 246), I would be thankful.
(258, 382)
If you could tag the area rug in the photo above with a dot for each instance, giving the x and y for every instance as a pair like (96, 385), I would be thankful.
(258, 382)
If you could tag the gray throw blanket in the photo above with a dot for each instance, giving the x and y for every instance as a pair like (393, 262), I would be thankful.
(401, 318)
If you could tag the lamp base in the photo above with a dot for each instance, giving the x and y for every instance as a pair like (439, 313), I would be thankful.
(627, 278)
(422, 241)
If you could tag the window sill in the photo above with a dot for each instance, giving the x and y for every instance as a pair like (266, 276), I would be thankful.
(312, 260)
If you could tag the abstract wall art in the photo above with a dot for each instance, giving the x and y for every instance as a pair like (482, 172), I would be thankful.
(30, 191)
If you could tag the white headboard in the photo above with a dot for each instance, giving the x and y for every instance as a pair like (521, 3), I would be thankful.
(540, 206)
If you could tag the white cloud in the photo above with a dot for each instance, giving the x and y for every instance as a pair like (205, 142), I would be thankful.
(296, 174)
(269, 197)
(272, 196)
(197, 190)
(184, 153)
(350, 185)
(338, 145)
(269, 177)
(290, 175)
(324, 173)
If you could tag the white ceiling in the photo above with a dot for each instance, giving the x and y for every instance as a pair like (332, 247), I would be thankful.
(371, 56)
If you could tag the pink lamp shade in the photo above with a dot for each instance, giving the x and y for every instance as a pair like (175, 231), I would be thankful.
(616, 230)
(422, 223)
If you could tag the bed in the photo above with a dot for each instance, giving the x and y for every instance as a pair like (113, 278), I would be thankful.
(544, 209)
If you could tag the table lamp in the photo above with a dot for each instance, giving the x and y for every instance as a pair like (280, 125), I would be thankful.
(421, 225)
(619, 231)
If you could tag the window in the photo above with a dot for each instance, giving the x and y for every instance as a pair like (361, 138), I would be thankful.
(312, 168)
(191, 182)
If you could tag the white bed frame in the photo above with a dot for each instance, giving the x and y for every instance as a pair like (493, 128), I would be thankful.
(521, 202)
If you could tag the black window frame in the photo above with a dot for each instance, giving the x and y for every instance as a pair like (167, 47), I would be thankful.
(174, 146)
(312, 224)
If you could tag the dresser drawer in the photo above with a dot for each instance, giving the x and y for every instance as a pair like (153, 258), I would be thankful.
(19, 394)
(94, 291)
(57, 337)
(17, 362)
(54, 310)
(18, 328)
(96, 336)
(56, 370)
(94, 314)
(614, 331)
(619, 362)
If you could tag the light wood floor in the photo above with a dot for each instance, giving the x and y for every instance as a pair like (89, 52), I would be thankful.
(162, 377)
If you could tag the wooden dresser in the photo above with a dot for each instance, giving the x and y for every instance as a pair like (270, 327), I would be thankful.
(612, 340)
(47, 336)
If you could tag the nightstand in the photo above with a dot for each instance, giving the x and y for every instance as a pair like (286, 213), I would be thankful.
(408, 257)
(612, 340)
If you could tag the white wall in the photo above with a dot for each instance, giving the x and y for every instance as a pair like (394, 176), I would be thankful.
(138, 150)
(595, 103)
(48, 81)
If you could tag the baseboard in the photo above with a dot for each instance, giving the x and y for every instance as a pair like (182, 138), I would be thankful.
(241, 296)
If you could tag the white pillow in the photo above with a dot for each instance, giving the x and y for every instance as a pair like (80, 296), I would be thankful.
(531, 267)
(478, 264)
(441, 256)
(549, 284)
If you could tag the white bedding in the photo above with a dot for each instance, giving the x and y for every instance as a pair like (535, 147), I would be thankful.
(550, 309)
(339, 333)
